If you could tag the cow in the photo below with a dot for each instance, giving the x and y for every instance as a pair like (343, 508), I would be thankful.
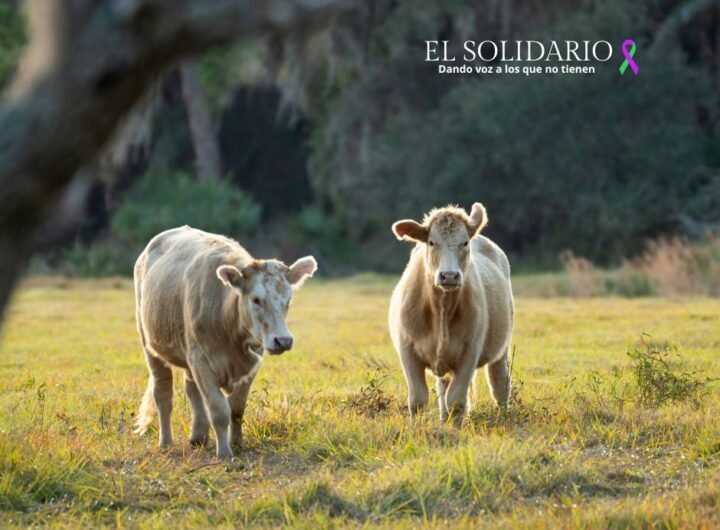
(452, 310)
(205, 305)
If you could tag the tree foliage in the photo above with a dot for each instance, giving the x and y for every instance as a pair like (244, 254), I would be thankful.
(161, 201)
(595, 163)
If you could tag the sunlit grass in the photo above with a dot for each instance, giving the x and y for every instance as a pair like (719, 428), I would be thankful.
(327, 439)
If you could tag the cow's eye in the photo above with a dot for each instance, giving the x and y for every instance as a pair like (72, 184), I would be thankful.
(256, 301)
(465, 244)
(431, 243)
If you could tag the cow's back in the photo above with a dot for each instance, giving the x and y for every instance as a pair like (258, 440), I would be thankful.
(486, 250)
(177, 290)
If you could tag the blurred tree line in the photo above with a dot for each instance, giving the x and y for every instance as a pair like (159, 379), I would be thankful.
(319, 148)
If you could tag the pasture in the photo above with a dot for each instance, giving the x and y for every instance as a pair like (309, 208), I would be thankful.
(587, 442)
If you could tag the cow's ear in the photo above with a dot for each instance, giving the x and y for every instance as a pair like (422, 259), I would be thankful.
(230, 276)
(301, 270)
(409, 230)
(478, 218)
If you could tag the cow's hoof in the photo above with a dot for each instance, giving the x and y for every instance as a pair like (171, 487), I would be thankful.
(224, 454)
(417, 409)
(200, 440)
(457, 416)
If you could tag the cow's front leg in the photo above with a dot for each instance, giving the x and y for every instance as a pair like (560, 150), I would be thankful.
(200, 422)
(456, 397)
(216, 404)
(414, 369)
(237, 400)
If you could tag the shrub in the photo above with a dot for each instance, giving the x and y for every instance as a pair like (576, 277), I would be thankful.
(371, 400)
(661, 377)
(669, 263)
(706, 265)
(584, 279)
(670, 266)
(162, 200)
(657, 375)
(101, 259)
(629, 282)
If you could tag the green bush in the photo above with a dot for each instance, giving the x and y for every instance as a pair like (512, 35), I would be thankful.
(629, 282)
(162, 200)
(106, 258)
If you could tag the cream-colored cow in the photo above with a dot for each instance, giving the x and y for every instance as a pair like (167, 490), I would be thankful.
(206, 306)
(452, 311)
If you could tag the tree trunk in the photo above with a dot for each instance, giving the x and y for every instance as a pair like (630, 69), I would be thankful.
(208, 162)
(87, 64)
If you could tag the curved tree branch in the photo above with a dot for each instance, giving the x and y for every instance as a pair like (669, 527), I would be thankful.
(87, 64)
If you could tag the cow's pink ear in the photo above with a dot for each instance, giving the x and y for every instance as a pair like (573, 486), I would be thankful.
(301, 270)
(230, 276)
(478, 218)
(409, 230)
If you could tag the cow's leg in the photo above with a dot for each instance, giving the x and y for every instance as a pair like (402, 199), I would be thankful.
(456, 398)
(200, 422)
(414, 369)
(498, 378)
(216, 404)
(442, 386)
(162, 391)
(237, 401)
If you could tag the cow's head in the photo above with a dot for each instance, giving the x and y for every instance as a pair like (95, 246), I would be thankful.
(265, 288)
(445, 233)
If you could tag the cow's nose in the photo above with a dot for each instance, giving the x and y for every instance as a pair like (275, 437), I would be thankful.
(449, 277)
(283, 343)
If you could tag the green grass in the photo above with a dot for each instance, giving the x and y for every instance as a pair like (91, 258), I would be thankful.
(327, 440)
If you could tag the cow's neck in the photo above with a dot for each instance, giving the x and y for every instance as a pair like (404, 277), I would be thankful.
(444, 305)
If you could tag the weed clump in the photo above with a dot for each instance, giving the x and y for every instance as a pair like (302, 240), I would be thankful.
(657, 375)
(371, 400)
(661, 377)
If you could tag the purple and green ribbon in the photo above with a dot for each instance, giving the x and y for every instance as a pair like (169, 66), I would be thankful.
(628, 49)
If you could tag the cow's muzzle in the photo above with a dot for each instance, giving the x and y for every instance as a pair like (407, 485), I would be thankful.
(279, 345)
(449, 280)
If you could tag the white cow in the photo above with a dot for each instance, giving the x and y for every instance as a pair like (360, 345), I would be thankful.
(452, 310)
(206, 306)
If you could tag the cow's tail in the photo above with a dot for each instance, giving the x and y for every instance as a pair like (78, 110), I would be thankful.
(147, 408)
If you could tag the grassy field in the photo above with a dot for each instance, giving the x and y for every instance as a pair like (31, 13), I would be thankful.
(587, 442)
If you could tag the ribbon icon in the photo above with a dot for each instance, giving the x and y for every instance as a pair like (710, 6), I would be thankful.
(629, 57)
